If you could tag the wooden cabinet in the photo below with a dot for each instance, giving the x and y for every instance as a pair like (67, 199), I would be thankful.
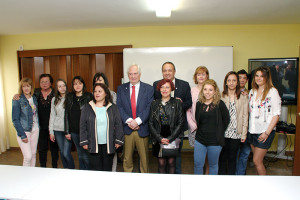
(69, 62)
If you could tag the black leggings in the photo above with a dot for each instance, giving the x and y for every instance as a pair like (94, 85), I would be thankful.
(164, 162)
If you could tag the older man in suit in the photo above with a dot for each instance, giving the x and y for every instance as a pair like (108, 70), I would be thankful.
(183, 92)
(134, 100)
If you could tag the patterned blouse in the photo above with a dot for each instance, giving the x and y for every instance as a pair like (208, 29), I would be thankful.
(231, 131)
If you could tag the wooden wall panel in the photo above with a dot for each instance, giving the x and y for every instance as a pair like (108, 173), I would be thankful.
(69, 62)
(38, 70)
(109, 69)
(100, 63)
(75, 65)
(92, 64)
(27, 67)
(54, 64)
(46, 65)
(73, 51)
(69, 71)
(118, 71)
(85, 71)
(82, 67)
(62, 69)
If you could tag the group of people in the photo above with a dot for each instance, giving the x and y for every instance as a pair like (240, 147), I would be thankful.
(222, 127)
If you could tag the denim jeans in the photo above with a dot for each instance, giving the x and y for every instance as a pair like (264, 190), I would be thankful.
(64, 146)
(242, 159)
(213, 153)
(83, 155)
(178, 159)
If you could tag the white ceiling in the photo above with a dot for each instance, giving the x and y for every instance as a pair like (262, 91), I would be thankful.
(32, 16)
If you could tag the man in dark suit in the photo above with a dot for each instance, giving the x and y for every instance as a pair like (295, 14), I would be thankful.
(134, 99)
(183, 92)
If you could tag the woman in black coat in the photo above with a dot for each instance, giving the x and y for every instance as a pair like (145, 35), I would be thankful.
(101, 129)
(165, 124)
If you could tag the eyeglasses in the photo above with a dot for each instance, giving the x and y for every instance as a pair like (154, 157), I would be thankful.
(44, 82)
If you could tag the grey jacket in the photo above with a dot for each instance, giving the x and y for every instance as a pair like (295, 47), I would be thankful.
(88, 128)
(57, 116)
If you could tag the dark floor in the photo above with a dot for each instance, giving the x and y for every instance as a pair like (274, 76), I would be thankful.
(274, 166)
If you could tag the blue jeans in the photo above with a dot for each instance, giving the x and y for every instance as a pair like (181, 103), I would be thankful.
(178, 158)
(213, 153)
(64, 146)
(83, 155)
(241, 164)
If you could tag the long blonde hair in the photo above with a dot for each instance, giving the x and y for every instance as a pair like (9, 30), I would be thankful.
(267, 76)
(217, 95)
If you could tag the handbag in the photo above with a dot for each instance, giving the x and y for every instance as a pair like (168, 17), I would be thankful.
(169, 150)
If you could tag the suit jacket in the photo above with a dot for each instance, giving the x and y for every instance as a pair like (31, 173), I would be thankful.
(182, 91)
(145, 98)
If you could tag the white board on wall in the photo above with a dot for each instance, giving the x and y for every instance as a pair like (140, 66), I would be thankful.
(218, 60)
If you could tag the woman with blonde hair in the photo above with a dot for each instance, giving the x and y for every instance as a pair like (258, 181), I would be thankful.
(212, 119)
(25, 120)
(264, 112)
(236, 132)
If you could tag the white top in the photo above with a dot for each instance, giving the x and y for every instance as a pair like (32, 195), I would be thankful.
(137, 88)
(57, 116)
(262, 112)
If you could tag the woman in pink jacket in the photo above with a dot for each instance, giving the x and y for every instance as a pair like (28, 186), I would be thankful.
(201, 74)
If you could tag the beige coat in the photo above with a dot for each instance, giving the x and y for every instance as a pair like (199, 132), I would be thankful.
(241, 113)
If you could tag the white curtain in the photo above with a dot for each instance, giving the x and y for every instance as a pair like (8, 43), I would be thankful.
(4, 138)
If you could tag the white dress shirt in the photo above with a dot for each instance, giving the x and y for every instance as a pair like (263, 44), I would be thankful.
(173, 92)
(137, 89)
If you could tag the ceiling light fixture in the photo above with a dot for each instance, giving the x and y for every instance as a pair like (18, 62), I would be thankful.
(163, 8)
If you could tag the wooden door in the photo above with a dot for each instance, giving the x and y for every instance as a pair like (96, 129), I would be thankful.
(70, 62)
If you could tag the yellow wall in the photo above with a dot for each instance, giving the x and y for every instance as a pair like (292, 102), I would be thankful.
(249, 41)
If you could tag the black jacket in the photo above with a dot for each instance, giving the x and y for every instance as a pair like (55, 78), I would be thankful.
(88, 128)
(84, 99)
(222, 120)
(182, 91)
(174, 112)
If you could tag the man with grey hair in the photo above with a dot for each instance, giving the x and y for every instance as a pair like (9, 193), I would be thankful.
(134, 100)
